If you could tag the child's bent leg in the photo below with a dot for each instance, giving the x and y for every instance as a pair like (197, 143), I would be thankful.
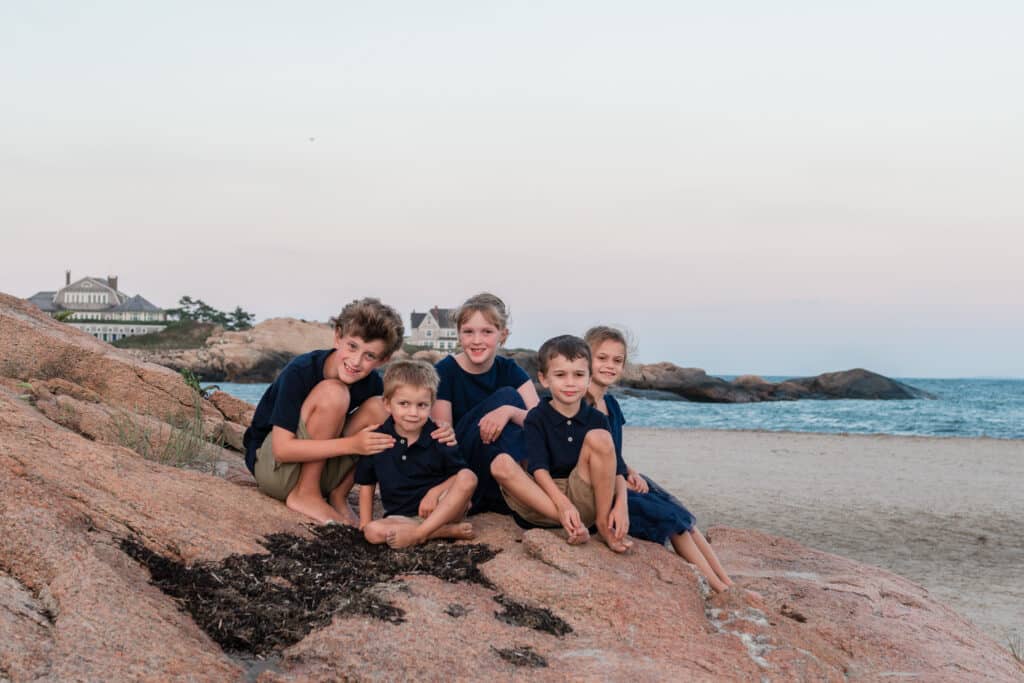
(521, 486)
(451, 507)
(686, 547)
(709, 554)
(597, 467)
(370, 412)
(323, 413)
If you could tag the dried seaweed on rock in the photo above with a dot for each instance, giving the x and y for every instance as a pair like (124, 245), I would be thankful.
(537, 618)
(258, 604)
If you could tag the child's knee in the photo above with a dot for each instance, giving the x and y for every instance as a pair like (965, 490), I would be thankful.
(599, 443)
(502, 467)
(331, 395)
(466, 480)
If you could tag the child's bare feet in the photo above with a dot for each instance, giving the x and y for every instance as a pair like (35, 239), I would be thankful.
(313, 505)
(339, 502)
(462, 531)
(404, 536)
(578, 538)
(615, 545)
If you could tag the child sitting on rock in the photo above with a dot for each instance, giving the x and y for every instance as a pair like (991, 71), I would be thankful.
(425, 486)
(321, 411)
(577, 481)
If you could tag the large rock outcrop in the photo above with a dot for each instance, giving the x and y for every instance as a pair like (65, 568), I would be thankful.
(83, 431)
(254, 355)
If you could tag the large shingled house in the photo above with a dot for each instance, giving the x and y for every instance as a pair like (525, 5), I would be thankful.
(434, 329)
(95, 305)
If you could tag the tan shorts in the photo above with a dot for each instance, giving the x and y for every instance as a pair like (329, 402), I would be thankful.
(277, 479)
(579, 493)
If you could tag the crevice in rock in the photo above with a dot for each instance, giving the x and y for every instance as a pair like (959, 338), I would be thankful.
(260, 604)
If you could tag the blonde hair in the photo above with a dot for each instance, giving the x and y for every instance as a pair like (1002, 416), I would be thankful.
(370, 320)
(599, 334)
(488, 305)
(415, 373)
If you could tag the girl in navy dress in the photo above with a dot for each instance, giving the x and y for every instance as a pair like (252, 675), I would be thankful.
(654, 513)
(486, 396)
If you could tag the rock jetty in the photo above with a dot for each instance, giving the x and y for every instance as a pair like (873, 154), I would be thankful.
(127, 521)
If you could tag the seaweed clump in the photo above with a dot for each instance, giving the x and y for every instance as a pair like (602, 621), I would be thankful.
(537, 618)
(259, 604)
(521, 656)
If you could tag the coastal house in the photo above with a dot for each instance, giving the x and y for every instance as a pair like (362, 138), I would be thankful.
(95, 305)
(434, 329)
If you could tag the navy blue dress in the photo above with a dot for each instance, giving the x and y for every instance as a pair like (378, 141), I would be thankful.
(472, 397)
(657, 514)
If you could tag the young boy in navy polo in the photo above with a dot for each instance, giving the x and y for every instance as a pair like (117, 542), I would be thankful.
(425, 486)
(577, 481)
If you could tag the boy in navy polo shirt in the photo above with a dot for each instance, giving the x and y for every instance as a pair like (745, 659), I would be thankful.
(321, 411)
(425, 487)
(577, 479)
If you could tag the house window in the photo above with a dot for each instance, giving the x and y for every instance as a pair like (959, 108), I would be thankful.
(430, 333)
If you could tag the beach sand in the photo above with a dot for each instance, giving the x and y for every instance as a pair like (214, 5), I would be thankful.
(946, 513)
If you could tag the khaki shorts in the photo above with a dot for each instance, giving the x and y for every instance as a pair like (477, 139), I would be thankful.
(277, 479)
(579, 493)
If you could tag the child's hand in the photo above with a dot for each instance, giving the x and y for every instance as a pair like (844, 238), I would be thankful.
(618, 521)
(429, 503)
(569, 516)
(369, 442)
(492, 423)
(444, 433)
(636, 483)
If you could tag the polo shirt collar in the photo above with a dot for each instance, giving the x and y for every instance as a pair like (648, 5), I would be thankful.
(554, 417)
(425, 438)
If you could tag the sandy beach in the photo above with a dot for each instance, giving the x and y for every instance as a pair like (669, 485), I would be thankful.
(946, 513)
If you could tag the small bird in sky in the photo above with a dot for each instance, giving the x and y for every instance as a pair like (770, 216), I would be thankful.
(312, 139)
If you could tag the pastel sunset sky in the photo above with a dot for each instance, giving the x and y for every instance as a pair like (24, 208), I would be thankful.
(779, 188)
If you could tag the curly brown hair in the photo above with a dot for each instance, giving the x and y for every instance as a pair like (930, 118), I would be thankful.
(370, 320)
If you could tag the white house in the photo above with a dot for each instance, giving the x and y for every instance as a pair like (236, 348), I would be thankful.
(95, 305)
(434, 329)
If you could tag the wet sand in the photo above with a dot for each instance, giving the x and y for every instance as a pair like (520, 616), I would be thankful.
(945, 513)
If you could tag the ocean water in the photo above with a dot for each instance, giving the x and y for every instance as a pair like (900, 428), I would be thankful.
(964, 407)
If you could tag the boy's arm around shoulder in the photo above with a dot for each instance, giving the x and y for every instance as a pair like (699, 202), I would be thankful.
(288, 447)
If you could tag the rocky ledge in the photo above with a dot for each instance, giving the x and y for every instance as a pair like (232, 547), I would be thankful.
(131, 547)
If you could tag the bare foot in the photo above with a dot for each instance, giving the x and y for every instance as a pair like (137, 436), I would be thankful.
(340, 503)
(616, 546)
(404, 536)
(313, 505)
(462, 531)
(578, 538)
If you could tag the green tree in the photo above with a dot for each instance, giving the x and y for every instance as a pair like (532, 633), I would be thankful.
(200, 311)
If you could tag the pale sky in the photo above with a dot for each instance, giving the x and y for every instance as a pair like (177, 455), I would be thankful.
(779, 188)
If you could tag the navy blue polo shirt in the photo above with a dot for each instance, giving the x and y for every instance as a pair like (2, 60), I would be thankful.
(282, 401)
(615, 420)
(406, 471)
(465, 390)
(553, 441)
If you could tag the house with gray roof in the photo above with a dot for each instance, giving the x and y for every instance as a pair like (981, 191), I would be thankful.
(95, 305)
(435, 329)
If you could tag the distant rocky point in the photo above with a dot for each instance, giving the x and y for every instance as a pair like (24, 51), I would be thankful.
(257, 355)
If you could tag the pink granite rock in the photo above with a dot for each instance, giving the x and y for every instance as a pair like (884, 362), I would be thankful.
(73, 606)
